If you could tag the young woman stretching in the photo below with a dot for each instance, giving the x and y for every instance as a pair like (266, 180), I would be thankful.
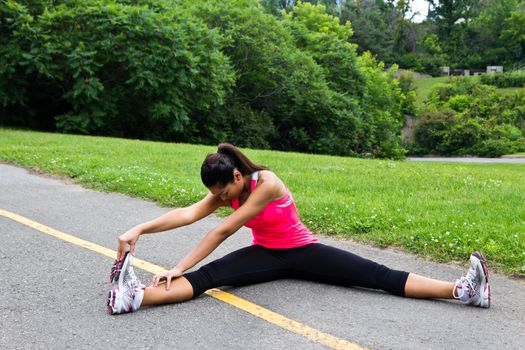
(282, 247)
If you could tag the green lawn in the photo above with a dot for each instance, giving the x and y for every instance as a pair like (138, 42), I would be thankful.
(510, 91)
(443, 211)
(424, 87)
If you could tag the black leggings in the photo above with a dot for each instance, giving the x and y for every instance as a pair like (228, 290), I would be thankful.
(313, 262)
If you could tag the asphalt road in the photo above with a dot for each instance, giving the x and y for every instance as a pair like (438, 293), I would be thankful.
(53, 292)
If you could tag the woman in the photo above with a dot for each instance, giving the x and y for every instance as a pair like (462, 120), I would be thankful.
(282, 247)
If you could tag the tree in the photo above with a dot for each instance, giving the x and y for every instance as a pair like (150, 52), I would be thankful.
(484, 34)
(448, 13)
(370, 23)
(514, 34)
(451, 18)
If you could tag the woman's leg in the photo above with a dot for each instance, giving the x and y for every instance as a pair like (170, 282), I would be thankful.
(248, 265)
(180, 290)
(331, 265)
(422, 287)
(336, 266)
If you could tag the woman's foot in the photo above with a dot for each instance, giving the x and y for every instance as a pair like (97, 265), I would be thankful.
(126, 292)
(126, 298)
(119, 267)
(474, 289)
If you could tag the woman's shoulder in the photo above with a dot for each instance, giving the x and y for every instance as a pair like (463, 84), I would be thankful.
(268, 177)
(273, 183)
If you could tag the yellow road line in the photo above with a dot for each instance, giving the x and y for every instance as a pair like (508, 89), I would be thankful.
(254, 309)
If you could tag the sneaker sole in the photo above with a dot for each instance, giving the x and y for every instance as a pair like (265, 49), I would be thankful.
(126, 262)
(116, 269)
(480, 262)
(483, 263)
(111, 302)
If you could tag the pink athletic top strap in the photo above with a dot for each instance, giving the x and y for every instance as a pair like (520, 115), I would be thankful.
(278, 225)
(254, 179)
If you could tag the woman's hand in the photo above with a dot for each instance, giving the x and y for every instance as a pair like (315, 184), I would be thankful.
(131, 237)
(168, 275)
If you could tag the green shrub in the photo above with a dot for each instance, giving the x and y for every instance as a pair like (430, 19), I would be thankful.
(235, 123)
(464, 136)
(504, 80)
(494, 148)
(459, 103)
(505, 131)
(109, 68)
(486, 123)
(206, 72)
(515, 110)
(406, 82)
(407, 86)
(457, 86)
(432, 134)
(304, 74)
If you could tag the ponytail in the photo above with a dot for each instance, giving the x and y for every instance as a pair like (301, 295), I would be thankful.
(218, 167)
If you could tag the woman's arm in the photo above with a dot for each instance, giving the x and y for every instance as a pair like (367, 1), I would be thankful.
(182, 216)
(258, 199)
(172, 219)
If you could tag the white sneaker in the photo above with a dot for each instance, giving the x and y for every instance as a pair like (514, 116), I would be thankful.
(474, 289)
(119, 268)
(126, 298)
(126, 292)
(122, 270)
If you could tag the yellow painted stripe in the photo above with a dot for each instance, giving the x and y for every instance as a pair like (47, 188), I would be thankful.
(284, 322)
(254, 309)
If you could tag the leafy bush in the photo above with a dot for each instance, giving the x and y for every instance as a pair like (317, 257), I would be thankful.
(459, 103)
(407, 86)
(206, 72)
(471, 118)
(236, 123)
(432, 134)
(457, 86)
(109, 68)
(274, 76)
(406, 81)
(464, 136)
(304, 74)
(505, 80)
(494, 147)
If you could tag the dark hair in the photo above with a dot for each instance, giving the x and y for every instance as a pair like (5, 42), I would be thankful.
(218, 167)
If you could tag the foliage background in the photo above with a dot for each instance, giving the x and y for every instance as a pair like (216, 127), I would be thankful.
(313, 76)
(199, 72)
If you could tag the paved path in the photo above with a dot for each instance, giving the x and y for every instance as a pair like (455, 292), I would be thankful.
(520, 160)
(53, 292)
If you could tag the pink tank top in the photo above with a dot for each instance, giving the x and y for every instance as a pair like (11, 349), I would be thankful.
(278, 225)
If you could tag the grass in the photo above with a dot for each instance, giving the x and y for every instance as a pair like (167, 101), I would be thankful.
(424, 87)
(510, 91)
(443, 211)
